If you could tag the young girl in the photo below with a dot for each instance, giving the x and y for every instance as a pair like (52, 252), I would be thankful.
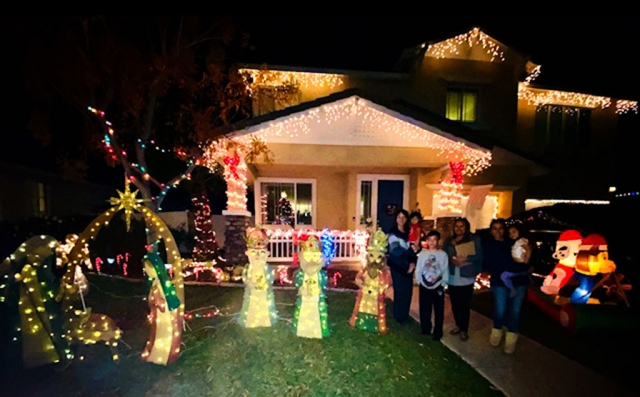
(416, 229)
(520, 252)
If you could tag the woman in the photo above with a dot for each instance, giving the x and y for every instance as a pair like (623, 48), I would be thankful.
(402, 263)
(498, 260)
(465, 263)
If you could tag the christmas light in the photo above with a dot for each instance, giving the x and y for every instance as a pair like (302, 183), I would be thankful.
(255, 78)
(475, 37)
(231, 154)
(450, 196)
(258, 307)
(328, 241)
(628, 194)
(206, 245)
(534, 203)
(310, 318)
(624, 106)
(539, 97)
(369, 312)
(367, 117)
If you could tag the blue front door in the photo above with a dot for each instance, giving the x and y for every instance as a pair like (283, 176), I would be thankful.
(390, 201)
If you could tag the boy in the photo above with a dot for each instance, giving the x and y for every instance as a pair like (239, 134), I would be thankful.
(432, 274)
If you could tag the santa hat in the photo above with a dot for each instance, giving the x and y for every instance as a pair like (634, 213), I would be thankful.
(594, 241)
(570, 235)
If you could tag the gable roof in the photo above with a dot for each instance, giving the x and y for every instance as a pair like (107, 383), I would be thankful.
(418, 51)
(409, 112)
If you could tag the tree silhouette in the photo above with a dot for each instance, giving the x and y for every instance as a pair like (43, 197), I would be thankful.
(163, 83)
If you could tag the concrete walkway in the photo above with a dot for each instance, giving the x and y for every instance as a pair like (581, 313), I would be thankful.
(532, 371)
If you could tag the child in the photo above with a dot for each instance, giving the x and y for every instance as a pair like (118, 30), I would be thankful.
(432, 275)
(520, 252)
(416, 229)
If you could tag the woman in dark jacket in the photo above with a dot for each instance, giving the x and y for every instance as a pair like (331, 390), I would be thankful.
(506, 311)
(463, 271)
(402, 263)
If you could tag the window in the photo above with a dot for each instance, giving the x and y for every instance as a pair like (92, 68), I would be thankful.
(270, 99)
(461, 105)
(561, 127)
(40, 202)
(366, 198)
(286, 202)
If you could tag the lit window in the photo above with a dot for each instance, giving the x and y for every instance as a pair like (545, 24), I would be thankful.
(461, 105)
(287, 202)
(40, 205)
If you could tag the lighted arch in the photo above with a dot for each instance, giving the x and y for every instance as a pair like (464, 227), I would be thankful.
(129, 204)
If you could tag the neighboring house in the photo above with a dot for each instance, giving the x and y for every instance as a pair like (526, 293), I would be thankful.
(29, 192)
(484, 86)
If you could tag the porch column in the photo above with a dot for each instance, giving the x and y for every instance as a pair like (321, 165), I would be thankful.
(235, 246)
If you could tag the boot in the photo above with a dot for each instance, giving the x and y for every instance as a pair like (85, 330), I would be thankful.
(496, 337)
(510, 342)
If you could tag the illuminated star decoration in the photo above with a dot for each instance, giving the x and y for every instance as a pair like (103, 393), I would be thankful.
(128, 202)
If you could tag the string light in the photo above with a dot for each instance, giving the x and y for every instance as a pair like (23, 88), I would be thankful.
(205, 247)
(629, 194)
(450, 196)
(624, 106)
(361, 112)
(475, 37)
(255, 78)
(535, 203)
(231, 154)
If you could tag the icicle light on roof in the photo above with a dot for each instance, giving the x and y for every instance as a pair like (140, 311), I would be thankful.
(273, 78)
(471, 38)
(475, 160)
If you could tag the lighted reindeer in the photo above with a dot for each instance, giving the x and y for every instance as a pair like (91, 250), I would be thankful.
(82, 326)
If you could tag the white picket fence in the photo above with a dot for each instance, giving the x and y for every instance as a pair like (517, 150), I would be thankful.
(350, 245)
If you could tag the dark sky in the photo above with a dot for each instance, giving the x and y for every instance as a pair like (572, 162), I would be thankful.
(596, 55)
(583, 54)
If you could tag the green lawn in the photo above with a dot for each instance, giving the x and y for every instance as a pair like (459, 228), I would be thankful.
(222, 359)
(608, 352)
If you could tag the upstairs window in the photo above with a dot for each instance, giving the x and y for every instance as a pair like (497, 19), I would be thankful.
(462, 105)
(562, 127)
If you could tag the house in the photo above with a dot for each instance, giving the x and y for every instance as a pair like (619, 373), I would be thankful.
(489, 87)
(27, 192)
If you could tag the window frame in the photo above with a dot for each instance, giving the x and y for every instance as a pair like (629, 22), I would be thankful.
(257, 186)
(543, 138)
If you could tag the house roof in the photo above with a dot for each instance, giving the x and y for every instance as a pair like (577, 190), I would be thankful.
(420, 49)
(346, 72)
(450, 129)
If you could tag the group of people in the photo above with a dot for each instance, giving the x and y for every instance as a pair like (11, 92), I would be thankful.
(455, 264)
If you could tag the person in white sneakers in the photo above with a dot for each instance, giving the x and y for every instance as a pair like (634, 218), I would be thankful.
(432, 274)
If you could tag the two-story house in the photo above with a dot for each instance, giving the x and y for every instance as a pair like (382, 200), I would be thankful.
(458, 127)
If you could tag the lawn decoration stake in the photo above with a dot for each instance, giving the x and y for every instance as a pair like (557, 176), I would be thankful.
(258, 307)
(310, 316)
(369, 312)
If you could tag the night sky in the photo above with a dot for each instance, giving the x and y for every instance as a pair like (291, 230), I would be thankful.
(584, 54)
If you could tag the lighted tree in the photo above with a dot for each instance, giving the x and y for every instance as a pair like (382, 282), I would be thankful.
(206, 246)
(156, 95)
(285, 211)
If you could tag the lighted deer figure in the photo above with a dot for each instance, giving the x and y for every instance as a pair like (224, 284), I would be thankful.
(82, 326)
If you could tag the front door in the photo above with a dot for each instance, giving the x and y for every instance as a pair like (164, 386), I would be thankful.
(380, 197)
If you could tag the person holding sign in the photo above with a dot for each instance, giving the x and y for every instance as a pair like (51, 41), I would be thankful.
(464, 250)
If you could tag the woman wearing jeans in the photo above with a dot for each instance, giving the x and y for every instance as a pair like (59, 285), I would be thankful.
(506, 312)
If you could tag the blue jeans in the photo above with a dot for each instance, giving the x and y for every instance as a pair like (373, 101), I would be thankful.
(506, 309)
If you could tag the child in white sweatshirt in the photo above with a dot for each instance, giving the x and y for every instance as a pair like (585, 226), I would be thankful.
(432, 274)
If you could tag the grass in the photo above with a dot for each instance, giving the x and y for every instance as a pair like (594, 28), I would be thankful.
(222, 359)
(608, 352)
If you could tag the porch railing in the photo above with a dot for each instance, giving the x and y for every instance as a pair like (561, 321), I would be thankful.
(350, 245)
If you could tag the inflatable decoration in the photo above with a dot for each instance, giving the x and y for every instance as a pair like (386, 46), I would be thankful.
(258, 307)
(310, 315)
(567, 249)
(369, 312)
(584, 279)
